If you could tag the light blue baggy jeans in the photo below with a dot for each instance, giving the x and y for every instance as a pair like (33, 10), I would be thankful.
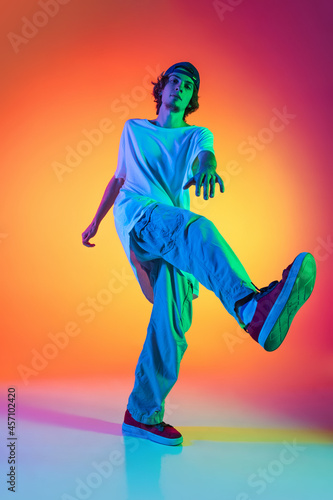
(171, 239)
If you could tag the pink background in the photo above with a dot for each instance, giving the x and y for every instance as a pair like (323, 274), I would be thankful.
(73, 74)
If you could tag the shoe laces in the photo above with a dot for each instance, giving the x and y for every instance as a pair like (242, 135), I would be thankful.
(161, 426)
(266, 289)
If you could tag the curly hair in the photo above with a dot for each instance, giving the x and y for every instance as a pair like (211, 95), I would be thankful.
(162, 80)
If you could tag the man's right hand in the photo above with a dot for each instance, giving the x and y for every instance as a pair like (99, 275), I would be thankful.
(89, 233)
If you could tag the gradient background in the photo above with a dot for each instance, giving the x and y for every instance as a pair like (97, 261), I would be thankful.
(71, 75)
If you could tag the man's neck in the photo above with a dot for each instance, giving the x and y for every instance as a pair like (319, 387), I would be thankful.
(169, 119)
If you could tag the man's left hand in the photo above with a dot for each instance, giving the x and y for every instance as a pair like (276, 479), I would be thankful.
(206, 178)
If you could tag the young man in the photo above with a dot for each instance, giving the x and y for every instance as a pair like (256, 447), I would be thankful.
(171, 249)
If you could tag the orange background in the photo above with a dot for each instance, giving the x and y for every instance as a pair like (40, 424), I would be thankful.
(76, 71)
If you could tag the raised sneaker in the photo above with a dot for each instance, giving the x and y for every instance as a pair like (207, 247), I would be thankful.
(277, 304)
(160, 433)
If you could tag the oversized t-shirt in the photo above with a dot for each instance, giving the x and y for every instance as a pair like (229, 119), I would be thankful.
(155, 163)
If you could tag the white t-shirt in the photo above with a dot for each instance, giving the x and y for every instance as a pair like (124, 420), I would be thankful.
(155, 163)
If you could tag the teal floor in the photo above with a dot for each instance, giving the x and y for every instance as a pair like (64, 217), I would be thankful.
(70, 446)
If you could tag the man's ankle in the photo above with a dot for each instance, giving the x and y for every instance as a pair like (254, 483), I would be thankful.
(245, 309)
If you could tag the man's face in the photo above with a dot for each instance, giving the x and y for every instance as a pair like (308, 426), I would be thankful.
(178, 92)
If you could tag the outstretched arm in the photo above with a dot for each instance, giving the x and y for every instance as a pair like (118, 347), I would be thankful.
(204, 174)
(109, 197)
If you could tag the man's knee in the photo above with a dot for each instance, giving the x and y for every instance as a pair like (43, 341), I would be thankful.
(200, 226)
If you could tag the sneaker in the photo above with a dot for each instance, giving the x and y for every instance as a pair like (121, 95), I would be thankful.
(160, 433)
(278, 303)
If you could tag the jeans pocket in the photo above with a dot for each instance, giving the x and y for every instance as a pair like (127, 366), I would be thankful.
(158, 228)
(142, 223)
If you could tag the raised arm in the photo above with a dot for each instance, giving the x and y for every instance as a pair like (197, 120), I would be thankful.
(109, 197)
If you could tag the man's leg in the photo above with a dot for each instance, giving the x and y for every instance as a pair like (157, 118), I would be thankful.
(192, 243)
(158, 365)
